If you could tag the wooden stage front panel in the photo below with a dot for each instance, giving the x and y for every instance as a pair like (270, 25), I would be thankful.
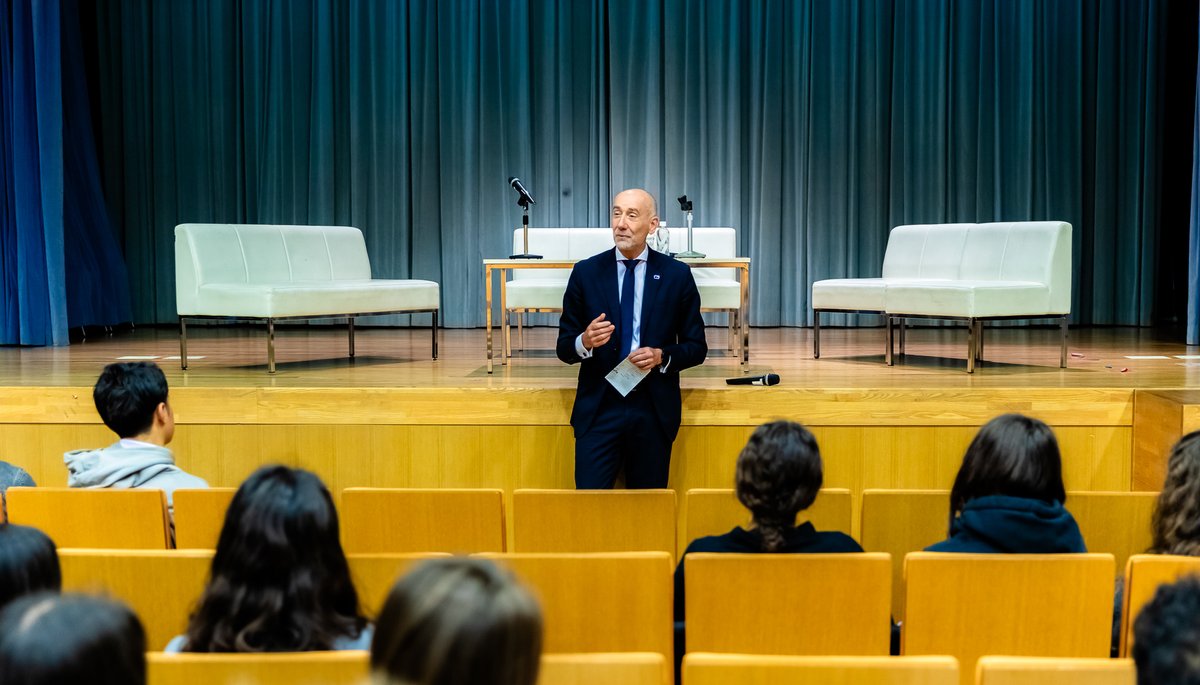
(395, 419)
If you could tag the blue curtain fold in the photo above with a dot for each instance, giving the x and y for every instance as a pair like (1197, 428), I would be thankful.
(61, 264)
(811, 126)
(1193, 280)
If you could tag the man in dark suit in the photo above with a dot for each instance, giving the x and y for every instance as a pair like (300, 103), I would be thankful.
(637, 304)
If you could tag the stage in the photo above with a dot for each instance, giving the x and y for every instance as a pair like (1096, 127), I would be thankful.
(393, 417)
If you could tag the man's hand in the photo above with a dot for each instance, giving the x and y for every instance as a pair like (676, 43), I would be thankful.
(597, 333)
(646, 358)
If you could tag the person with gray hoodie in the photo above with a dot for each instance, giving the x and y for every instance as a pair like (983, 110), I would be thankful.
(132, 400)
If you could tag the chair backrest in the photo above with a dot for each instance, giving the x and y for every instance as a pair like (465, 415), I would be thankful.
(1037, 251)
(711, 241)
(1144, 573)
(745, 669)
(105, 518)
(296, 668)
(1031, 670)
(383, 520)
(249, 253)
(626, 668)
(797, 604)
(374, 575)
(619, 602)
(713, 511)
(160, 586)
(593, 521)
(581, 243)
(1114, 522)
(199, 516)
(971, 605)
(903, 521)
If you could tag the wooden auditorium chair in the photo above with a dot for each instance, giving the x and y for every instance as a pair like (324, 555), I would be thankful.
(100, 518)
(971, 605)
(389, 520)
(161, 586)
(626, 668)
(744, 669)
(1116, 523)
(349, 667)
(199, 516)
(374, 575)
(901, 521)
(1032, 670)
(612, 602)
(583, 521)
(713, 511)
(797, 604)
(1143, 574)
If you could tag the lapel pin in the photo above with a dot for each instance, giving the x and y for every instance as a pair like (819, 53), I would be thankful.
(656, 277)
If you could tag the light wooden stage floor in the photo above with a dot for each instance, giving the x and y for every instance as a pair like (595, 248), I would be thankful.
(393, 417)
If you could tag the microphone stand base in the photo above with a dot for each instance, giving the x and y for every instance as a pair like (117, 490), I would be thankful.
(524, 256)
(690, 254)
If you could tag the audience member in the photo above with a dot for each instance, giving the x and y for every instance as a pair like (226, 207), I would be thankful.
(50, 639)
(1176, 522)
(132, 400)
(1008, 496)
(1166, 636)
(12, 476)
(458, 621)
(279, 580)
(28, 563)
(779, 474)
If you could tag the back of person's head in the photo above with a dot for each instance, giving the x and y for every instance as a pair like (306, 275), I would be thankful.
(779, 474)
(50, 639)
(1011, 455)
(1176, 524)
(1166, 636)
(279, 579)
(127, 394)
(28, 562)
(455, 621)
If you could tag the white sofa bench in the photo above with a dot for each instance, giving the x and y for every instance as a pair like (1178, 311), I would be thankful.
(972, 272)
(269, 272)
(542, 290)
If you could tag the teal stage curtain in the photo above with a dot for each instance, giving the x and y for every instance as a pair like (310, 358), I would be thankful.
(811, 126)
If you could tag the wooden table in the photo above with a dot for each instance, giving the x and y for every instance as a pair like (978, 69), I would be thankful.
(503, 266)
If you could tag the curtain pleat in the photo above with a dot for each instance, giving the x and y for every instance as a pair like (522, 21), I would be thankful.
(811, 126)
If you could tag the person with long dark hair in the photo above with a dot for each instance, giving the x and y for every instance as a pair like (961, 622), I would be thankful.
(1008, 496)
(279, 580)
(457, 621)
(28, 562)
(51, 639)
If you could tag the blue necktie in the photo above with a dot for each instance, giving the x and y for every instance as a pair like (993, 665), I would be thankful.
(627, 308)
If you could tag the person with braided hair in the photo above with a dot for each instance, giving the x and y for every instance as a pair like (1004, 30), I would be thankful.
(779, 474)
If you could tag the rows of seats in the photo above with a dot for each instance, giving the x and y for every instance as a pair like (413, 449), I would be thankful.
(965, 606)
(349, 668)
(469, 521)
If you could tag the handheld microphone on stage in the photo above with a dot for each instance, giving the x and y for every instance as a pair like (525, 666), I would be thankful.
(517, 186)
(765, 379)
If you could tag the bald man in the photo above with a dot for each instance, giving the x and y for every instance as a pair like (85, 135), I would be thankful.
(637, 304)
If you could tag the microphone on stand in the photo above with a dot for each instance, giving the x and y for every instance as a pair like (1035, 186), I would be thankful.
(765, 379)
(520, 188)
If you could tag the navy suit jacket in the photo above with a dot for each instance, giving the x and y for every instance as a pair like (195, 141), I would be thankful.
(670, 321)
